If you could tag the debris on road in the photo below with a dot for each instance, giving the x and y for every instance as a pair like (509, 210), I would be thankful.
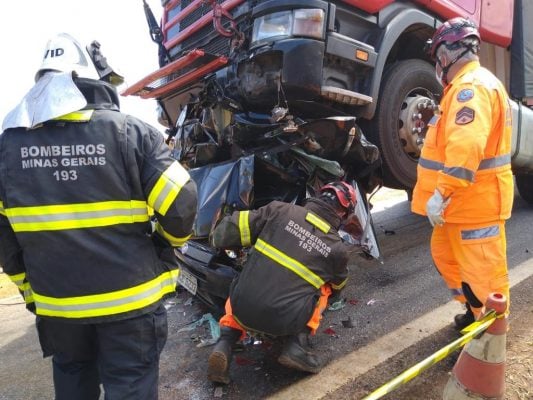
(387, 232)
(338, 305)
(348, 323)
(242, 361)
(329, 331)
(214, 330)
(219, 392)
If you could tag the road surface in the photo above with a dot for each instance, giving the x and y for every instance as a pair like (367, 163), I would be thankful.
(400, 312)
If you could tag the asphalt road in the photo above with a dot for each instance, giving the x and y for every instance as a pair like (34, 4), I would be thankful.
(382, 299)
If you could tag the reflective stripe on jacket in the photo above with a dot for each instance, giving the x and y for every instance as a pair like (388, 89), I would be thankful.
(294, 252)
(467, 150)
(74, 197)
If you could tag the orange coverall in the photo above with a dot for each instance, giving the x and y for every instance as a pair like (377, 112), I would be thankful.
(467, 158)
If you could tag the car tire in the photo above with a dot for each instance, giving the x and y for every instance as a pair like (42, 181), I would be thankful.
(401, 81)
(524, 184)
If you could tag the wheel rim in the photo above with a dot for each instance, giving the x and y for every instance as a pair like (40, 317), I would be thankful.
(417, 108)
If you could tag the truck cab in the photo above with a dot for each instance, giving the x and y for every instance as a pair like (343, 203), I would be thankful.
(317, 59)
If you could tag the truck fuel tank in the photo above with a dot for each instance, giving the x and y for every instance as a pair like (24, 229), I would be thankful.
(522, 140)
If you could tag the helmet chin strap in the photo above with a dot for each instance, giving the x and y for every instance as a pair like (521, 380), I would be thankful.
(446, 68)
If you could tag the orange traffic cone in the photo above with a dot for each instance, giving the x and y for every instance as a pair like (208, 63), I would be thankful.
(479, 372)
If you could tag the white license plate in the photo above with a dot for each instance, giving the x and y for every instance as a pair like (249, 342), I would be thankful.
(188, 281)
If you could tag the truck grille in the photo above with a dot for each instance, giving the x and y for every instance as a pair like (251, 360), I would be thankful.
(196, 14)
(206, 38)
(209, 40)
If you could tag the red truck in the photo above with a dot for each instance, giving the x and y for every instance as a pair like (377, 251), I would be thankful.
(273, 96)
(319, 59)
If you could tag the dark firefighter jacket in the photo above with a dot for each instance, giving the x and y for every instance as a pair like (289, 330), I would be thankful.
(295, 250)
(75, 231)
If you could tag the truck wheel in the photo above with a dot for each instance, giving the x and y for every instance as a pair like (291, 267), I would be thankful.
(524, 184)
(408, 97)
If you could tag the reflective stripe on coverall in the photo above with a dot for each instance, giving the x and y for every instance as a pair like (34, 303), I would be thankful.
(466, 156)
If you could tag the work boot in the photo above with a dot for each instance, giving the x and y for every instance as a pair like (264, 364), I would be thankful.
(297, 354)
(220, 359)
(463, 320)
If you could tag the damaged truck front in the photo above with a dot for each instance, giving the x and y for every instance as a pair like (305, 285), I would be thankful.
(266, 100)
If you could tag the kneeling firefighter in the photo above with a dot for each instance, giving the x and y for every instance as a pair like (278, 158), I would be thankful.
(296, 262)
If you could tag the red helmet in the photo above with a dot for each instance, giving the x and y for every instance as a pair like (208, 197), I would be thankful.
(452, 31)
(344, 192)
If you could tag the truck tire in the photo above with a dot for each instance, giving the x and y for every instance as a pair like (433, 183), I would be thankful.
(524, 184)
(407, 86)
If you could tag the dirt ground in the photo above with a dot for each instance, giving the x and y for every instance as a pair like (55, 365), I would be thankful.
(429, 385)
(519, 364)
(7, 288)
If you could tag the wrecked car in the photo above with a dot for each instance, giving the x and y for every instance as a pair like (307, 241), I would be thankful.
(253, 160)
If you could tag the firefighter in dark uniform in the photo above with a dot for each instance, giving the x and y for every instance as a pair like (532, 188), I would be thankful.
(297, 259)
(77, 181)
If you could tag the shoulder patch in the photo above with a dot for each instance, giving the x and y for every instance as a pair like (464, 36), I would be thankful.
(465, 95)
(464, 116)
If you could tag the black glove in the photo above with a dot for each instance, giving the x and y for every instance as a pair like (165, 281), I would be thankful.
(164, 251)
(30, 307)
(160, 243)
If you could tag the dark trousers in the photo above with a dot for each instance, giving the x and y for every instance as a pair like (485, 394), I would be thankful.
(123, 356)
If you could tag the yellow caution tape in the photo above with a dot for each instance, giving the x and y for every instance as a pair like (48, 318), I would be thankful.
(488, 315)
(473, 330)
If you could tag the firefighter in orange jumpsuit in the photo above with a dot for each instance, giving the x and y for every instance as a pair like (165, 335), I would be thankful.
(465, 183)
(297, 260)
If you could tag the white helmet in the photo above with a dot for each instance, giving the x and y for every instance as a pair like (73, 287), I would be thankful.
(63, 53)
